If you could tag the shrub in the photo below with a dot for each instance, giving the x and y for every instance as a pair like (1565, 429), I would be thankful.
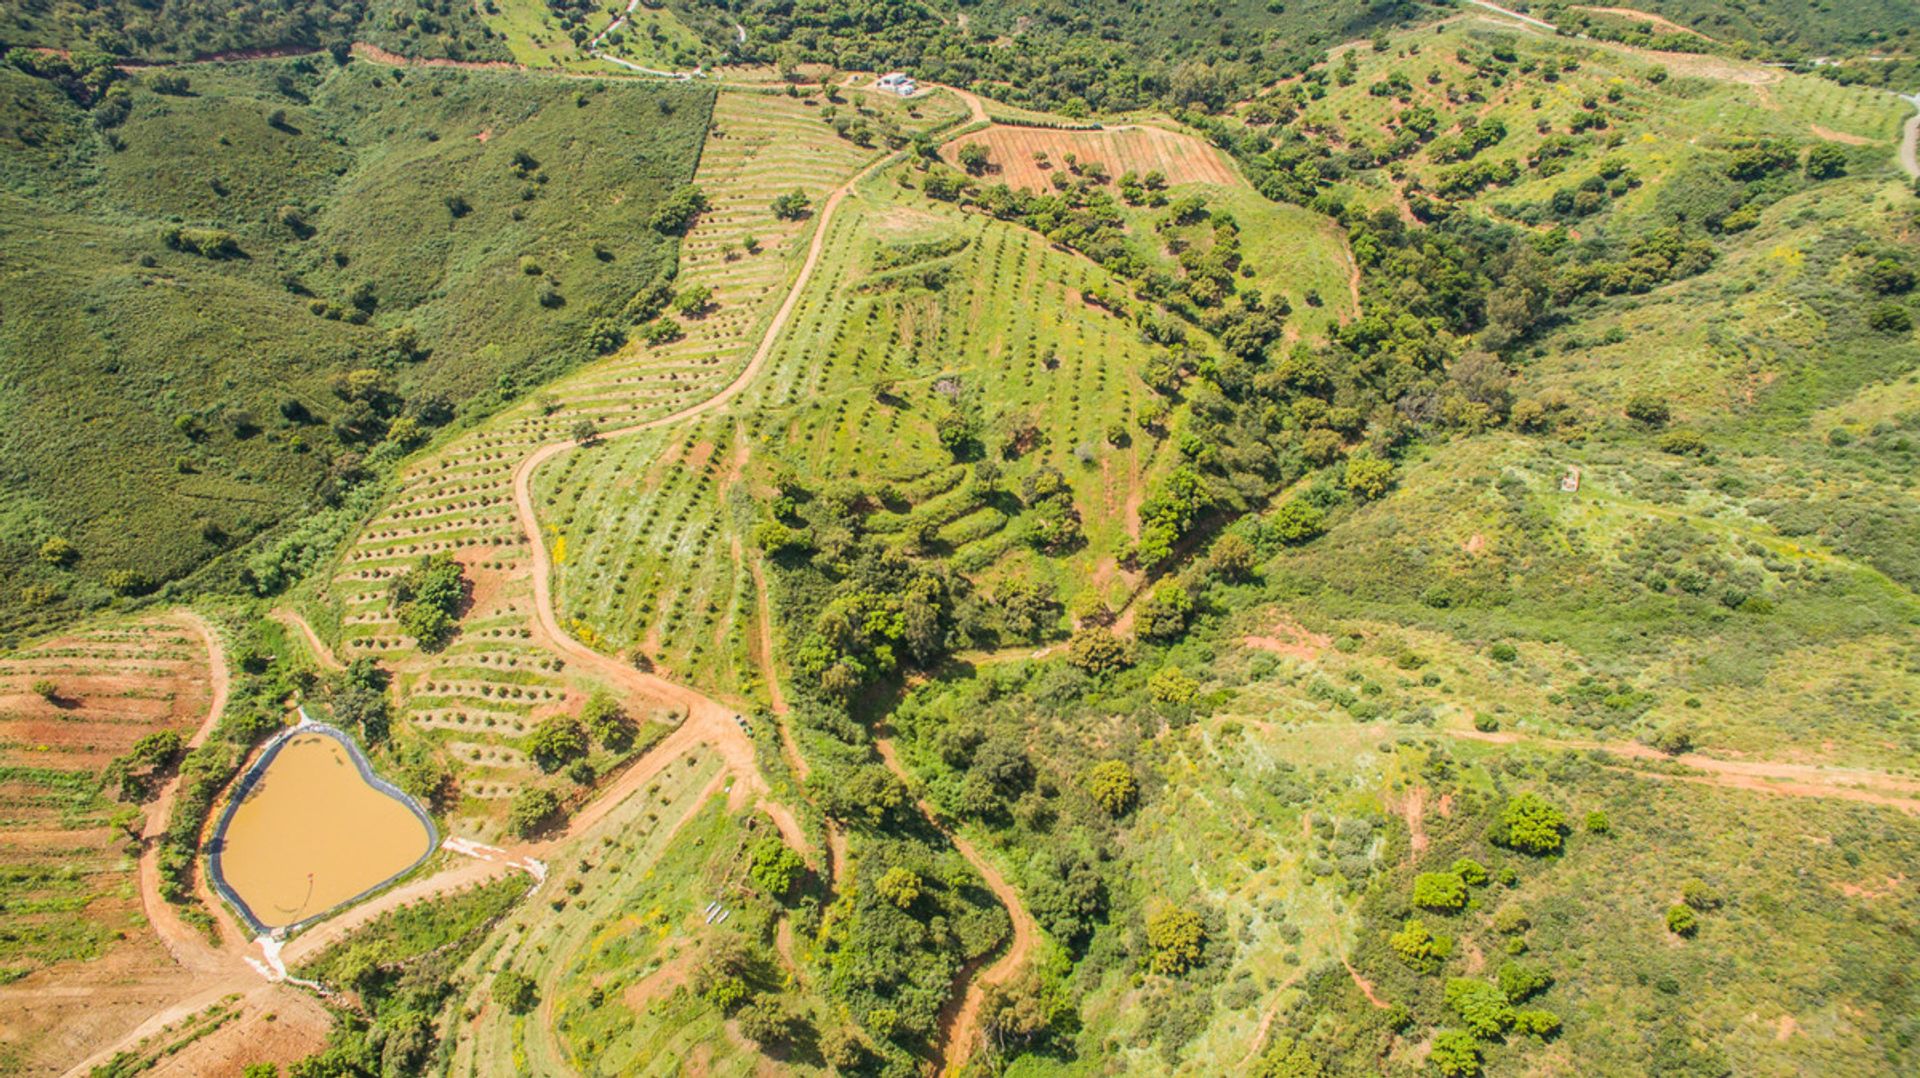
(1681, 920)
(1503, 652)
(1177, 939)
(1890, 278)
(1890, 318)
(1112, 786)
(1598, 823)
(1698, 895)
(1683, 443)
(1644, 408)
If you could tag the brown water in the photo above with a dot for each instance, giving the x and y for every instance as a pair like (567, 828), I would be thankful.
(313, 834)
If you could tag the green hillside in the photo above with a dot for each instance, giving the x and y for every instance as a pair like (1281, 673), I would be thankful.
(457, 236)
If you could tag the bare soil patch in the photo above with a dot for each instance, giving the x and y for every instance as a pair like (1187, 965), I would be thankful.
(1290, 638)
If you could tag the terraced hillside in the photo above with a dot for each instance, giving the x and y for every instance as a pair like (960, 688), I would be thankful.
(482, 693)
(78, 955)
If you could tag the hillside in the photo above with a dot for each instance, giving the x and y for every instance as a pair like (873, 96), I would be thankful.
(389, 248)
(1285, 539)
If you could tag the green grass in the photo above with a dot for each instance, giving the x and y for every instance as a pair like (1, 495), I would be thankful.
(112, 350)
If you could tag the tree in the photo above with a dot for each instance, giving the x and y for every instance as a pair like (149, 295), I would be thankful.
(1825, 162)
(531, 811)
(1295, 522)
(1368, 477)
(1648, 410)
(46, 690)
(1172, 685)
(1530, 824)
(768, 1022)
(693, 300)
(974, 158)
(608, 722)
(59, 551)
(1233, 557)
(1419, 948)
(1439, 891)
(1098, 652)
(899, 885)
(1164, 615)
(555, 742)
(1520, 982)
(1470, 871)
(792, 206)
(1288, 1058)
(515, 991)
(1455, 1054)
(1598, 823)
(1482, 1008)
(426, 598)
(1112, 786)
(775, 868)
(584, 432)
(1177, 939)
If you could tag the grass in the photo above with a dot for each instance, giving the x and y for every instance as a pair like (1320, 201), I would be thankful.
(368, 156)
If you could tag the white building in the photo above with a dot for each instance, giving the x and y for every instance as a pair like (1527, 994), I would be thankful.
(898, 82)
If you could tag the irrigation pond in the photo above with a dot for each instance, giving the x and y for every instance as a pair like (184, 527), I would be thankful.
(311, 828)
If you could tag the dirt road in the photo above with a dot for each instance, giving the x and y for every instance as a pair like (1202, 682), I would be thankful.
(1762, 776)
(1910, 140)
(960, 1026)
(322, 654)
(186, 944)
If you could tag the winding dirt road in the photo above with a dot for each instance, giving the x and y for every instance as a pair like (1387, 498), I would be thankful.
(960, 1025)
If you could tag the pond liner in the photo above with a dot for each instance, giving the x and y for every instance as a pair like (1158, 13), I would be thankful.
(252, 778)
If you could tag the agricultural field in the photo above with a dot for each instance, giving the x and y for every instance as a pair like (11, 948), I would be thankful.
(1027, 156)
(69, 705)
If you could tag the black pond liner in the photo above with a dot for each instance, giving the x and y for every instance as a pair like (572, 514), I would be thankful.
(252, 778)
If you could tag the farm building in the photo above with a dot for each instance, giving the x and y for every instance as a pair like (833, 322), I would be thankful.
(898, 82)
